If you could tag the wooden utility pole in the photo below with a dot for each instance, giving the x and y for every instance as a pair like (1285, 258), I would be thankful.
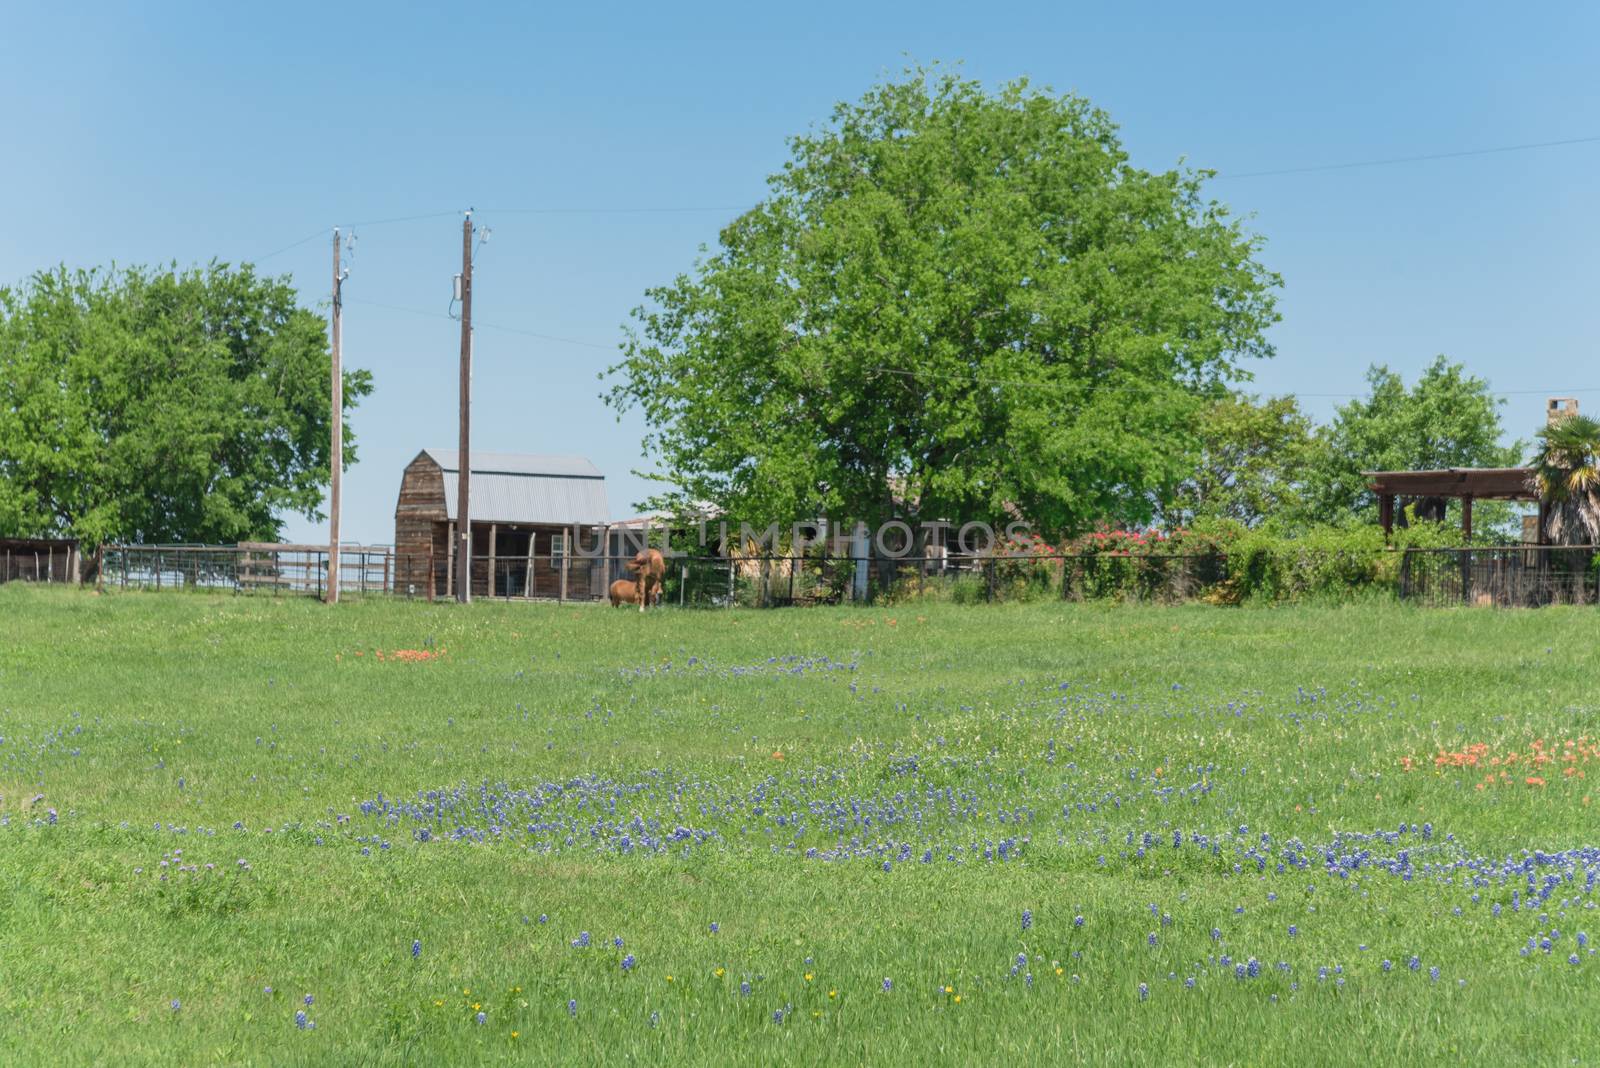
(464, 464)
(336, 456)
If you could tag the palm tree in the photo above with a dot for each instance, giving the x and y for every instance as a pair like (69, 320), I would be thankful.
(1566, 472)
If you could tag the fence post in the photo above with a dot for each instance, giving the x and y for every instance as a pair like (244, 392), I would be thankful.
(858, 552)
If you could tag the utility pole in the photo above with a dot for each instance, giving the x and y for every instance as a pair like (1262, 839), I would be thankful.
(464, 464)
(336, 456)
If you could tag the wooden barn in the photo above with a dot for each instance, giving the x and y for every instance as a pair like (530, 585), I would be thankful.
(524, 511)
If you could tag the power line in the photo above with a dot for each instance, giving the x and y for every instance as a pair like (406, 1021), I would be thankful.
(296, 244)
(486, 326)
(611, 211)
(1026, 384)
(982, 380)
(1414, 159)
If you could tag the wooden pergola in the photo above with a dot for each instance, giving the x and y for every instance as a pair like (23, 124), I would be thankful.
(1465, 484)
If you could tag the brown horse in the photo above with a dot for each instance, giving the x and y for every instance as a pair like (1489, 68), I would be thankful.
(650, 568)
(624, 592)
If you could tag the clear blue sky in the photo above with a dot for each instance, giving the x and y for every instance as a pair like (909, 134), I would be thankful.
(214, 131)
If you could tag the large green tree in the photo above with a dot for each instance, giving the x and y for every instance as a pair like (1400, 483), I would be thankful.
(951, 304)
(165, 405)
(1449, 418)
(1252, 460)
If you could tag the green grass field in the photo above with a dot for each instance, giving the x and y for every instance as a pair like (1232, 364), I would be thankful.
(833, 836)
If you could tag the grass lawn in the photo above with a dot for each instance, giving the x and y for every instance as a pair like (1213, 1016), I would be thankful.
(940, 834)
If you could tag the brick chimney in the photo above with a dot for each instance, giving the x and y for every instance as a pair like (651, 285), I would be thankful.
(1560, 408)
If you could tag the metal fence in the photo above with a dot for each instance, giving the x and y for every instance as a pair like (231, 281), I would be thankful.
(295, 570)
(1511, 576)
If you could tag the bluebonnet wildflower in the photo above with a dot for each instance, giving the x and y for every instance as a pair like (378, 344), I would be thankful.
(1027, 919)
(309, 999)
(300, 1020)
(572, 1007)
(1151, 938)
(1387, 964)
(777, 1016)
(1433, 973)
(1144, 991)
(481, 1017)
(617, 942)
(266, 990)
(628, 963)
(176, 1004)
(744, 988)
(543, 918)
(655, 1019)
(1414, 963)
(715, 927)
(416, 948)
(582, 941)
(1216, 934)
(1077, 921)
(888, 985)
(1572, 959)
(1583, 940)
(1293, 930)
(1189, 982)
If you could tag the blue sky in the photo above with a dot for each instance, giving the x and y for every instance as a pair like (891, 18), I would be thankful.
(192, 132)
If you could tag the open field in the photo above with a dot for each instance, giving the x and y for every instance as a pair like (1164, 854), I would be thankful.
(942, 834)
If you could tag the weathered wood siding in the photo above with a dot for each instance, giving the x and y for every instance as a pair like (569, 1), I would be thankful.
(419, 525)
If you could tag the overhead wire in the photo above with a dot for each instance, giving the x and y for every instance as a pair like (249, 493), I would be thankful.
(977, 379)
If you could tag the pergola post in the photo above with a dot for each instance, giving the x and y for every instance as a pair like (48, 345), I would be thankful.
(1466, 548)
(1386, 515)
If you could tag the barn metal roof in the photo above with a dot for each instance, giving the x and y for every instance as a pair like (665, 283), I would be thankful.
(524, 488)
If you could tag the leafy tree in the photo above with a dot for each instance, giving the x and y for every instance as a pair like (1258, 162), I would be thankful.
(163, 405)
(952, 303)
(1448, 419)
(1253, 456)
(1566, 471)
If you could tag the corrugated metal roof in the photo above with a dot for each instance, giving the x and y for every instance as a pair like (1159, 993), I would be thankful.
(517, 463)
(518, 488)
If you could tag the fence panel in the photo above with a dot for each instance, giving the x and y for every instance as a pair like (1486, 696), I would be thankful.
(1509, 576)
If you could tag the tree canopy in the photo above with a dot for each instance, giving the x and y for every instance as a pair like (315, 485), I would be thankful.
(1448, 419)
(952, 303)
(162, 405)
(1252, 460)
